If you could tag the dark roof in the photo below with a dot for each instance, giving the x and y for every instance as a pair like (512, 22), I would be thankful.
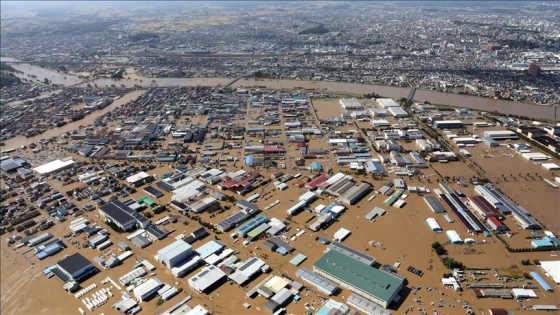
(73, 263)
(156, 232)
(118, 211)
(9, 165)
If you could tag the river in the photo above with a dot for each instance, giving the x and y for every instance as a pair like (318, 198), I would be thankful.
(89, 119)
(434, 97)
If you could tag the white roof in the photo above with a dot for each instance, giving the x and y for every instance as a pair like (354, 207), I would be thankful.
(552, 268)
(197, 310)
(53, 166)
(453, 236)
(206, 278)
(341, 234)
(523, 293)
(387, 102)
(136, 177)
(432, 223)
(147, 287)
(551, 166)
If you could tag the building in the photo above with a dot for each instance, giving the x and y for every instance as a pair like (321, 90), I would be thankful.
(322, 284)
(448, 124)
(175, 253)
(386, 103)
(206, 279)
(500, 135)
(248, 270)
(352, 253)
(453, 237)
(355, 194)
(54, 166)
(434, 226)
(376, 285)
(122, 216)
(352, 103)
(147, 289)
(74, 268)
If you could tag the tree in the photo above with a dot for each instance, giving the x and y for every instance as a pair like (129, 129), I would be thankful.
(536, 262)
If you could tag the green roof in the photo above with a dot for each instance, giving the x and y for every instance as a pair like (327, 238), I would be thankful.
(378, 283)
(147, 201)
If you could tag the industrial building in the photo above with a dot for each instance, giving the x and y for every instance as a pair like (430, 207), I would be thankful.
(501, 202)
(500, 135)
(350, 103)
(123, 216)
(322, 284)
(74, 268)
(376, 285)
(211, 247)
(54, 166)
(448, 124)
(279, 300)
(147, 289)
(366, 306)
(453, 237)
(434, 204)
(352, 253)
(206, 279)
(434, 226)
(175, 254)
(355, 194)
(248, 270)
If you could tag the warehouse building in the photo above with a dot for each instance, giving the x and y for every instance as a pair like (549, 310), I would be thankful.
(322, 284)
(123, 216)
(376, 285)
(352, 253)
(175, 254)
(209, 277)
(355, 194)
(147, 289)
(453, 237)
(55, 166)
(434, 204)
(350, 103)
(500, 135)
(448, 124)
(248, 270)
(434, 226)
(74, 268)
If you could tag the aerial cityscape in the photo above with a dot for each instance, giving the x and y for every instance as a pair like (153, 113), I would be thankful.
(280, 157)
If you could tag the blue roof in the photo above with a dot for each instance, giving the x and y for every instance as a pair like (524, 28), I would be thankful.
(209, 248)
(249, 160)
(541, 243)
(541, 281)
(316, 166)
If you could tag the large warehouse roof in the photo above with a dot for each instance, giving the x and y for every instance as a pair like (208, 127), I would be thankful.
(368, 279)
(553, 269)
(54, 166)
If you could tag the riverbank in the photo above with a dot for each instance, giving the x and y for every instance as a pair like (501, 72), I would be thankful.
(541, 112)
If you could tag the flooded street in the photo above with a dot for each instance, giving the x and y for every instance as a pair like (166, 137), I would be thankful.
(434, 97)
(21, 140)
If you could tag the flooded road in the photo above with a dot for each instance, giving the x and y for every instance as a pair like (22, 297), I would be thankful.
(434, 97)
(21, 140)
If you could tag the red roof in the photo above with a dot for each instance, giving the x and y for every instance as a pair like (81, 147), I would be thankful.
(301, 145)
(270, 148)
(496, 222)
(316, 181)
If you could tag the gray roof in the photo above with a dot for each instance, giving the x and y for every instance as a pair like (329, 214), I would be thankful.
(73, 263)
